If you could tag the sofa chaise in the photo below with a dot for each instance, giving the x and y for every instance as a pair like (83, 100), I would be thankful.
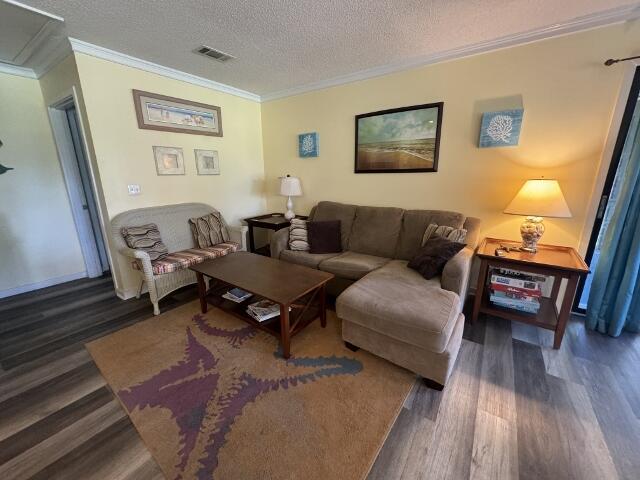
(387, 308)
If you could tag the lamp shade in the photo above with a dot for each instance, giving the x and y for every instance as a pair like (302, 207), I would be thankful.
(539, 198)
(290, 186)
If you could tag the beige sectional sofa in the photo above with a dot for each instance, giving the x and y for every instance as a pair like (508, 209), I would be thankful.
(387, 308)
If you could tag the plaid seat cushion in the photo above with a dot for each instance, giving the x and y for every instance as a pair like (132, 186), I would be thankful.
(186, 258)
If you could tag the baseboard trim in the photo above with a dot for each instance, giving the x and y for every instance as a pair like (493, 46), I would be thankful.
(42, 284)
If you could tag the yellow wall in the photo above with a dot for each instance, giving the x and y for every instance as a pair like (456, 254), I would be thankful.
(38, 240)
(567, 95)
(124, 155)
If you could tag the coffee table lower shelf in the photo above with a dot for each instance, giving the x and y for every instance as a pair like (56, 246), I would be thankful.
(302, 312)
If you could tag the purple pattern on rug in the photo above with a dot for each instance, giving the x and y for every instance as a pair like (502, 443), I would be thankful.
(189, 390)
(235, 337)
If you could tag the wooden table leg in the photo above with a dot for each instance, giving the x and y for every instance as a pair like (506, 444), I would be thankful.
(202, 292)
(323, 305)
(252, 241)
(565, 310)
(285, 333)
(482, 280)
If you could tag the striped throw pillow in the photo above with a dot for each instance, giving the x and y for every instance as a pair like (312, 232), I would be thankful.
(147, 238)
(454, 234)
(209, 230)
(298, 238)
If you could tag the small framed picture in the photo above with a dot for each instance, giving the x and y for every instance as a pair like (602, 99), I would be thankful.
(207, 162)
(500, 129)
(169, 160)
(308, 145)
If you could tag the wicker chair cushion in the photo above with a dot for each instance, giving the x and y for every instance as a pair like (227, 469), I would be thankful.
(186, 258)
(147, 238)
(208, 230)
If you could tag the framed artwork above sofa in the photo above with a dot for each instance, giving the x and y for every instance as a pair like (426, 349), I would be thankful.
(399, 140)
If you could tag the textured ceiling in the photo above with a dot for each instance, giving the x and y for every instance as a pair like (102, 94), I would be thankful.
(283, 44)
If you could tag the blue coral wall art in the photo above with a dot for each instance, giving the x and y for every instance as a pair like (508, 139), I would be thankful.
(500, 129)
(308, 145)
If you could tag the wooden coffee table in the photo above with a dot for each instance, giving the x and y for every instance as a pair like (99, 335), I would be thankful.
(299, 291)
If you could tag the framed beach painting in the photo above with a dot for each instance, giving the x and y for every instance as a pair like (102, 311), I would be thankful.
(170, 114)
(207, 162)
(399, 140)
(169, 160)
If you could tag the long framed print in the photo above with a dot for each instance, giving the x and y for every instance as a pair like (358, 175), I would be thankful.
(400, 140)
(170, 114)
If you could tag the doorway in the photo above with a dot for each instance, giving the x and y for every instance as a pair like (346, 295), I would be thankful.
(69, 138)
(609, 196)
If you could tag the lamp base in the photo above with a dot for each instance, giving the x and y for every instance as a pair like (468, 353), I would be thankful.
(289, 215)
(531, 231)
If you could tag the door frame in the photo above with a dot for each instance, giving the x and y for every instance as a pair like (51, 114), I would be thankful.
(620, 122)
(73, 182)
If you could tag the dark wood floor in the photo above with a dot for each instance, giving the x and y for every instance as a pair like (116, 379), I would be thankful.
(514, 407)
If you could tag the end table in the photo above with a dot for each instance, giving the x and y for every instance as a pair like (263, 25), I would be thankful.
(271, 221)
(550, 260)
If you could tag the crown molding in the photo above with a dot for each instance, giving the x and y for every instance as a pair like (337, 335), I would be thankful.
(123, 59)
(19, 71)
(595, 20)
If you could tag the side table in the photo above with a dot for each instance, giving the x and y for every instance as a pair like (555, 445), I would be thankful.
(270, 221)
(550, 260)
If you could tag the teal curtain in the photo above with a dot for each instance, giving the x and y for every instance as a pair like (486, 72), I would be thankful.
(614, 300)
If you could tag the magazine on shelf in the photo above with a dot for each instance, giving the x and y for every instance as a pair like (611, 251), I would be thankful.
(514, 282)
(507, 272)
(520, 305)
(515, 292)
(237, 295)
(264, 310)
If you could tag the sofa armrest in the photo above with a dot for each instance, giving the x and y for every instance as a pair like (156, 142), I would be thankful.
(141, 255)
(279, 242)
(239, 235)
(455, 275)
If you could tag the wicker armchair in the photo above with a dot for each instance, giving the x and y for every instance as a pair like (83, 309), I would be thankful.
(173, 223)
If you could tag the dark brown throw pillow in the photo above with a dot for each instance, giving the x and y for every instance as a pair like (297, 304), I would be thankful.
(324, 237)
(433, 256)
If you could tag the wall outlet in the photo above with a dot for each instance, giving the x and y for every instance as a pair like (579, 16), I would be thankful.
(133, 189)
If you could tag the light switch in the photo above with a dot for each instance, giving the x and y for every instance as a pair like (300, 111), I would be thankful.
(133, 189)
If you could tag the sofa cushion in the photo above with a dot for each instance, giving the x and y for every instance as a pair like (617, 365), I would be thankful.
(324, 237)
(414, 224)
(454, 234)
(145, 238)
(433, 256)
(298, 235)
(375, 231)
(186, 258)
(352, 265)
(398, 302)
(208, 230)
(305, 258)
(336, 211)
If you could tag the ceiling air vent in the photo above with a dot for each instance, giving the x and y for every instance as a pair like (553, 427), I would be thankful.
(213, 53)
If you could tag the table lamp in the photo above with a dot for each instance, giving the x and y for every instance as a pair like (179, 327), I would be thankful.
(536, 199)
(290, 187)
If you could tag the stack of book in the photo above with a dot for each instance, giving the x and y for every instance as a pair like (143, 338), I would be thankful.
(237, 295)
(263, 310)
(516, 290)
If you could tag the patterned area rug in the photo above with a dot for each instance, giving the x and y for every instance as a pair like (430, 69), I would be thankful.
(213, 398)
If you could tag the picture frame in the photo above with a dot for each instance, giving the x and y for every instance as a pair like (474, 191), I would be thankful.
(207, 162)
(171, 114)
(168, 160)
(308, 145)
(501, 129)
(399, 140)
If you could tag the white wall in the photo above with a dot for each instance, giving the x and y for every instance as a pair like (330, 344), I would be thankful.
(38, 241)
